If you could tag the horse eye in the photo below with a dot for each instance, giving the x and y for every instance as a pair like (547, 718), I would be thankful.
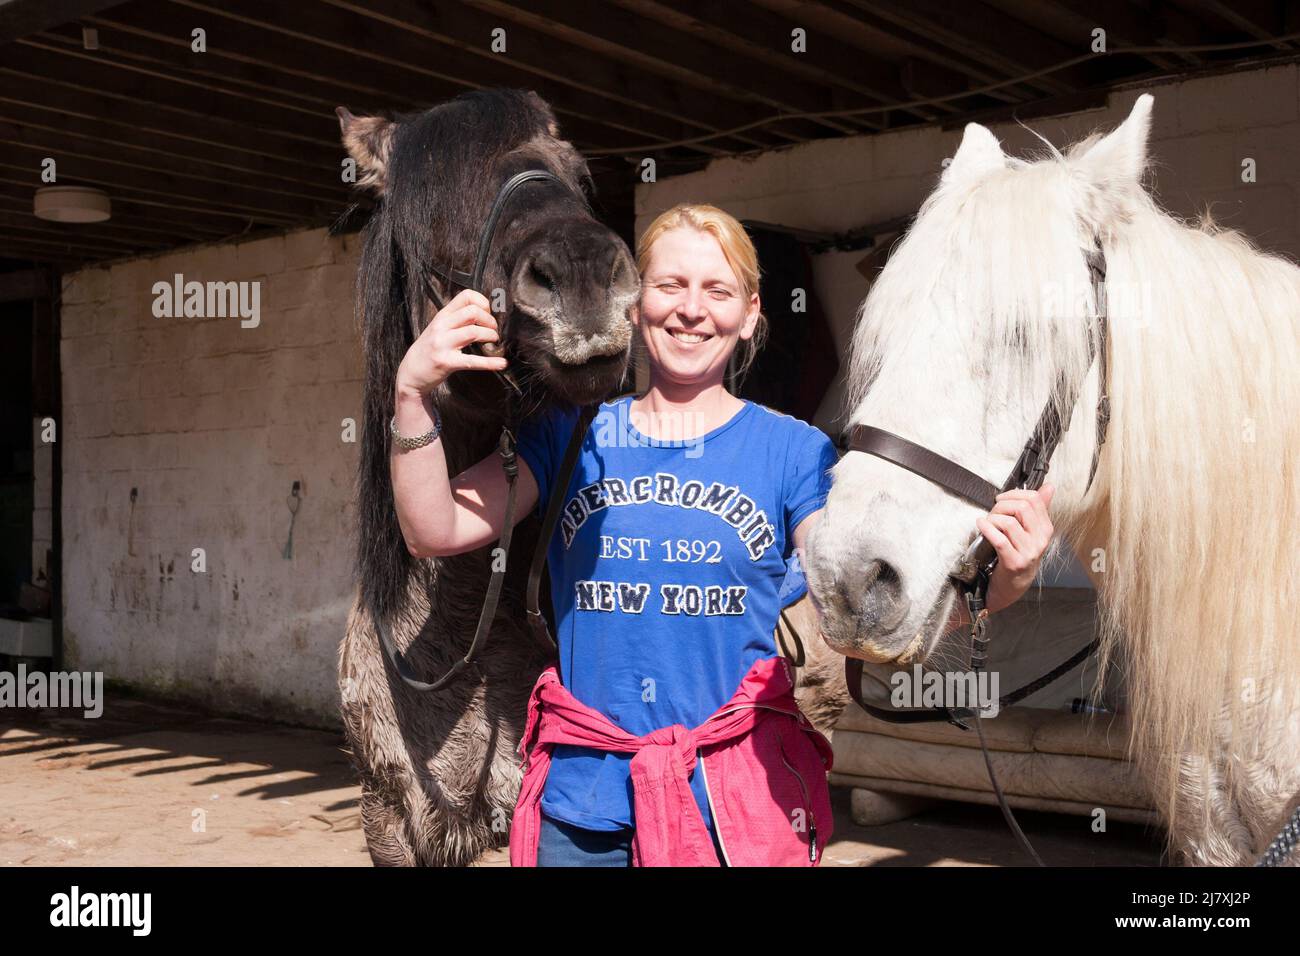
(541, 278)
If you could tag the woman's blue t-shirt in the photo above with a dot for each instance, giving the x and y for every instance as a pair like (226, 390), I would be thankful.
(669, 567)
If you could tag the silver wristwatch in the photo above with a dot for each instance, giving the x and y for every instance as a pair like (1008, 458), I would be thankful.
(420, 440)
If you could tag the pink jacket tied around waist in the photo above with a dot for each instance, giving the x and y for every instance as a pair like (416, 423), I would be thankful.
(764, 763)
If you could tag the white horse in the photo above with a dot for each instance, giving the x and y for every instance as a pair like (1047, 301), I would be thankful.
(1191, 529)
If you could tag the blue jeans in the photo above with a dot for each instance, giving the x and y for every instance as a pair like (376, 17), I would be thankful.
(562, 844)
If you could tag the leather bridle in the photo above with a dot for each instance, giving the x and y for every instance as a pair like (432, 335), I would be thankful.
(474, 280)
(538, 627)
(973, 572)
(452, 278)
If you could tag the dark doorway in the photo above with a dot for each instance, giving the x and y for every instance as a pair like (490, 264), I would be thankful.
(17, 491)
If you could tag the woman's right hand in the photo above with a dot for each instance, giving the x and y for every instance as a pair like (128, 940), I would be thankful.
(437, 352)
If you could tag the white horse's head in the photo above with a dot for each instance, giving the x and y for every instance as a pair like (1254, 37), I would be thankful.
(985, 310)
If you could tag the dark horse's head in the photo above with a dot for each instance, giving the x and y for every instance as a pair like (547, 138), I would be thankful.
(563, 281)
(560, 283)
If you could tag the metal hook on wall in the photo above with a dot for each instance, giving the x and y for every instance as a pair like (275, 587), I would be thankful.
(294, 501)
(130, 524)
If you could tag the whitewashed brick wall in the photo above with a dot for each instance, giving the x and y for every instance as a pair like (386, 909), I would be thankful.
(212, 423)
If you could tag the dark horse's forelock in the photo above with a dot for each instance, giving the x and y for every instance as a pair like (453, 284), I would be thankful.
(447, 159)
(442, 163)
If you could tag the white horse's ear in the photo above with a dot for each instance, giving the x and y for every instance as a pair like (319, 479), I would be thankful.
(1121, 156)
(978, 153)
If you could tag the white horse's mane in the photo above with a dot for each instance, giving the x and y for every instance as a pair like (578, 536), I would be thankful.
(1197, 498)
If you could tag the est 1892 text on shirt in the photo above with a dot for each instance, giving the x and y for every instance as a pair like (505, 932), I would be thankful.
(669, 566)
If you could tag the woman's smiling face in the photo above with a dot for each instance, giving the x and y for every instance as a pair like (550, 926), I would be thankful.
(694, 310)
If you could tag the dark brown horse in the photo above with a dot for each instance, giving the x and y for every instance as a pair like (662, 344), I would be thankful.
(439, 773)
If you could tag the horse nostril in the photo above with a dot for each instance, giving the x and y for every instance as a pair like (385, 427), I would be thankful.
(624, 273)
(541, 276)
(876, 592)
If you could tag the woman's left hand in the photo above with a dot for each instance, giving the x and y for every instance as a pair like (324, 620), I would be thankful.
(1020, 530)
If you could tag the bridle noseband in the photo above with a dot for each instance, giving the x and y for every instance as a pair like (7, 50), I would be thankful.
(455, 278)
(474, 280)
(971, 576)
(506, 446)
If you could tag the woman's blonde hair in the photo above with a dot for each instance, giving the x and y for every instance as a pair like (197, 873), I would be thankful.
(737, 248)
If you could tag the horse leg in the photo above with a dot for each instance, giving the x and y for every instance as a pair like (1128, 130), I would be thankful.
(383, 820)
(1209, 830)
(1229, 809)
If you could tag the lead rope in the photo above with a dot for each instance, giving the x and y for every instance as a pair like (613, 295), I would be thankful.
(977, 607)
(510, 466)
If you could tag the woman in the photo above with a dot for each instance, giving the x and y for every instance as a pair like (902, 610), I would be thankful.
(667, 569)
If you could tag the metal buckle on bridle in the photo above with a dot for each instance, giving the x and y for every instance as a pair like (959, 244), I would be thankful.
(506, 448)
(977, 609)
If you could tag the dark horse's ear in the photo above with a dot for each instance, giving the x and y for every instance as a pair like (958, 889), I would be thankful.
(552, 127)
(369, 141)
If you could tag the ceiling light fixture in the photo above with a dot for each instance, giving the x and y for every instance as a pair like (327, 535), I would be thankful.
(72, 204)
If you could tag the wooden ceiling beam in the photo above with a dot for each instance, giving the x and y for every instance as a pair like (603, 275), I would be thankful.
(250, 187)
(765, 37)
(77, 99)
(1261, 19)
(238, 164)
(369, 38)
(247, 201)
(120, 227)
(237, 53)
(165, 89)
(219, 68)
(20, 18)
(861, 29)
(17, 246)
(111, 232)
(981, 32)
(50, 232)
(742, 86)
(139, 189)
(1125, 25)
(551, 60)
(60, 259)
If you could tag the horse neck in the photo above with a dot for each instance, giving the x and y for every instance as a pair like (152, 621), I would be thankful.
(1196, 513)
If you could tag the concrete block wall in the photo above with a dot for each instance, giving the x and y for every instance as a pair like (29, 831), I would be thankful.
(211, 423)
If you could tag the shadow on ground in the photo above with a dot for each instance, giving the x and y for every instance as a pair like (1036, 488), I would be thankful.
(155, 784)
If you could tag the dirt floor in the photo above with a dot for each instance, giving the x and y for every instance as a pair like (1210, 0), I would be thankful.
(150, 784)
